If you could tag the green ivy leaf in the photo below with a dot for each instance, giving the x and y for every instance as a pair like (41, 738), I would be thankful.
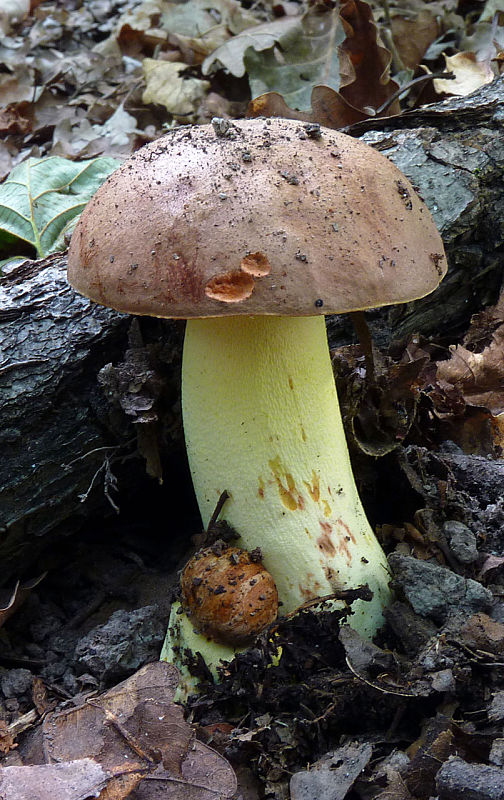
(42, 196)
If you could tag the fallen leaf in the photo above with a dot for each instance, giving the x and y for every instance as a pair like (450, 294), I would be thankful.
(360, 88)
(118, 127)
(7, 738)
(306, 55)
(71, 135)
(74, 780)
(483, 633)
(470, 74)
(180, 95)
(386, 411)
(12, 120)
(17, 84)
(479, 377)
(12, 12)
(231, 55)
(39, 697)
(191, 18)
(194, 49)
(414, 33)
(137, 723)
(396, 788)
(435, 746)
(372, 86)
(135, 43)
(486, 39)
(192, 26)
(328, 108)
(196, 28)
(380, 412)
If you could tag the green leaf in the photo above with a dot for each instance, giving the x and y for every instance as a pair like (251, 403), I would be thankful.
(231, 54)
(42, 196)
(290, 56)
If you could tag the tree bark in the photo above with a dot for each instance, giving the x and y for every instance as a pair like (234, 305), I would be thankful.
(57, 432)
(453, 153)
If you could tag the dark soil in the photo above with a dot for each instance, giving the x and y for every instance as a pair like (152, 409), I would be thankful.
(101, 610)
(431, 688)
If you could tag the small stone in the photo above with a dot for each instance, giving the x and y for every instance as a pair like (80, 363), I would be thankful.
(497, 753)
(16, 682)
(333, 775)
(443, 681)
(496, 709)
(120, 646)
(481, 632)
(457, 779)
(223, 127)
(313, 130)
(290, 177)
(461, 540)
(437, 592)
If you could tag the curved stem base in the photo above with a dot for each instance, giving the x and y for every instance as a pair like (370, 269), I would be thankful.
(262, 421)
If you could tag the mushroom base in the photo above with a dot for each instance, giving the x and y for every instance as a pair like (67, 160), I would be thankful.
(262, 421)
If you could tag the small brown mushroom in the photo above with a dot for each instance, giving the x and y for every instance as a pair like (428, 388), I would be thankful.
(228, 596)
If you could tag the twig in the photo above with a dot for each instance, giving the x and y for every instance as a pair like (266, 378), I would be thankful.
(450, 76)
(218, 508)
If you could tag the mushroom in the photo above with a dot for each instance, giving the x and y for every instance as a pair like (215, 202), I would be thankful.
(254, 230)
(228, 594)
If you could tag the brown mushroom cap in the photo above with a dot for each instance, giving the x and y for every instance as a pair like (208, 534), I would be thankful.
(259, 219)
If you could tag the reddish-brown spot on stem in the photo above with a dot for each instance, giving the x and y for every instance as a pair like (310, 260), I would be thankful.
(286, 484)
(314, 487)
(332, 580)
(311, 588)
(324, 541)
(347, 529)
(344, 550)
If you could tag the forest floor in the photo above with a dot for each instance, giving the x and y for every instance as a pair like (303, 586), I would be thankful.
(419, 713)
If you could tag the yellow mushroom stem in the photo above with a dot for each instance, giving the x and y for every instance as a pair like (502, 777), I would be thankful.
(262, 421)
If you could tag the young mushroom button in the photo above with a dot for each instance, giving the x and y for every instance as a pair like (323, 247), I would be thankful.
(309, 226)
(228, 594)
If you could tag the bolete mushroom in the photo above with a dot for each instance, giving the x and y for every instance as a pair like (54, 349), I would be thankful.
(254, 230)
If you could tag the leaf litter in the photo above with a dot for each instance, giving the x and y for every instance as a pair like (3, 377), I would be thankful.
(131, 738)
